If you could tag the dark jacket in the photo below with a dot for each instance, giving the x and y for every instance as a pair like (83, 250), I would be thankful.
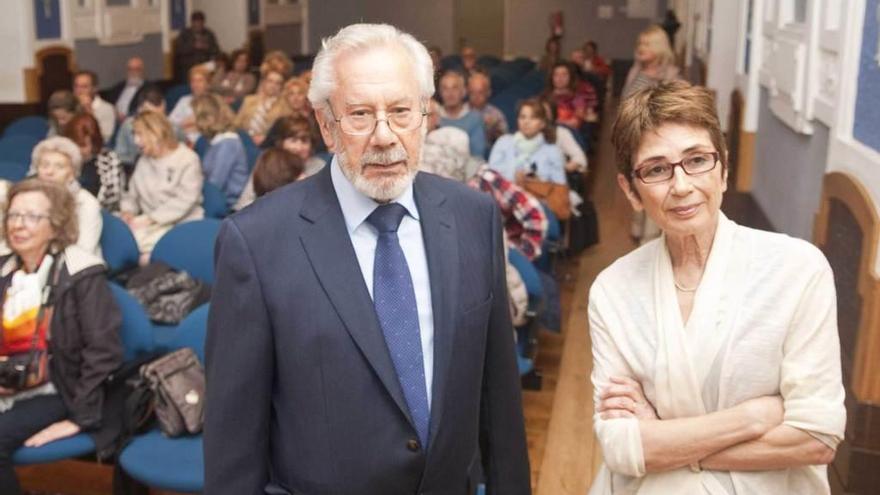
(85, 345)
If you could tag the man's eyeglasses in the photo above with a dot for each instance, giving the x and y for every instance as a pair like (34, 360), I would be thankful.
(662, 171)
(29, 219)
(363, 122)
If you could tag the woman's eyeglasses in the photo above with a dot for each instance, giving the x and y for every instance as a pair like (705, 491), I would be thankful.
(29, 219)
(662, 171)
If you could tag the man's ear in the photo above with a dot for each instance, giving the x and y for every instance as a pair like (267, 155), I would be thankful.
(631, 194)
(324, 125)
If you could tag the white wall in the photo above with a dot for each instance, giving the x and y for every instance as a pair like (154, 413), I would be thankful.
(722, 62)
(16, 49)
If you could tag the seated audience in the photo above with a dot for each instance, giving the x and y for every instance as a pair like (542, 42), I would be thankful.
(455, 112)
(292, 134)
(469, 61)
(151, 99)
(436, 56)
(552, 54)
(124, 93)
(295, 95)
(531, 150)
(237, 82)
(225, 162)
(182, 116)
(62, 106)
(84, 323)
(276, 167)
(166, 187)
(194, 45)
(102, 173)
(479, 91)
(85, 88)
(443, 155)
(574, 101)
(574, 153)
(593, 62)
(260, 110)
(58, 159)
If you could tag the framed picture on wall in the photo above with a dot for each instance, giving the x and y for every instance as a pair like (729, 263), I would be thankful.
(253, 12)
(47, 19)
(178, 14)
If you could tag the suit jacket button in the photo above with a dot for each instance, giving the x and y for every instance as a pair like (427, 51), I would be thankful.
(412, 445)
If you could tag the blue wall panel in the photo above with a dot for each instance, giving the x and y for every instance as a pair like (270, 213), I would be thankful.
(47, 19)
(867, 115)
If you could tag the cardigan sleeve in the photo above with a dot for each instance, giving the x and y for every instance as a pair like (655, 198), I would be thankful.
(620, 438)
(810, 379)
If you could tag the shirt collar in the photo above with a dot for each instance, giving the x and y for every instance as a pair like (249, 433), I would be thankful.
(465, 108)
(356, 206)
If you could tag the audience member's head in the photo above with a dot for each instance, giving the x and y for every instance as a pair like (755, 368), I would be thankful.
(294, 134)
(40, 217)
(295, 92)
(150, 98)
(591, 49)
(433, 118)
(56, 159)
(199, 77)
(563, 78)
(239, 61)
(479, 90)
(653, 48)
(83, 130)
(197, 21)
(153, 134)
(274, 70)
(134, 70)
(436, 55)
(222, 63)
(468, 58)
(553, 47)
(276, 167)
(452, 90)
(578, 57)
(384, 69)
(62, 106)
(213, 116)
(85, 86)
(532, 119)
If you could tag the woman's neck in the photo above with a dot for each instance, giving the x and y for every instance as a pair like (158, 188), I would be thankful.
(689, 252)
(31, 261)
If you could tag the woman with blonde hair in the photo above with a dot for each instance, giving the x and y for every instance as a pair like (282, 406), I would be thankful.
(166, 187)
(182, 115)
(655, 62)
(259, 111)
(225, 161)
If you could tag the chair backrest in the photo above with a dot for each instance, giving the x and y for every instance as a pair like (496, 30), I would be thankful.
(32, 125)
(201, 147)
(189, 247)
(554, 231)
(251, 150)
(174, 93)
(13, 171)
(118, 246)
(527, 272)
(191, 332)
(214, 201)
(137, 330)
(18, 148)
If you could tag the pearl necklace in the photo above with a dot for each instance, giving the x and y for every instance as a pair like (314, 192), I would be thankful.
(684, 289)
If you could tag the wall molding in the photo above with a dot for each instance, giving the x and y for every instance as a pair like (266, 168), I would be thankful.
(849, 190)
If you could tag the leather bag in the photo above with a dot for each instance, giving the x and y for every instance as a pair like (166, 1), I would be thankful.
(555, 195)
(178, 381)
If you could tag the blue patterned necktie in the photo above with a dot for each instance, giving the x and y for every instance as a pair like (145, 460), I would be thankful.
(395, 302)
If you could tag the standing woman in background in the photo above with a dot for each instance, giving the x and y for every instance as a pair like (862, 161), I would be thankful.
(655, 62)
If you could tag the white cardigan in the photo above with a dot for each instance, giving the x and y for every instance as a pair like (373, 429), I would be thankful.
(764, 322)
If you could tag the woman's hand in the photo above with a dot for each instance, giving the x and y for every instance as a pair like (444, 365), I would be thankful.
(140, 221)
(126, 217)
(55, 431)
(624, 399)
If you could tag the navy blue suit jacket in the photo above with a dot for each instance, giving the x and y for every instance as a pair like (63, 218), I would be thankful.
(302, 394)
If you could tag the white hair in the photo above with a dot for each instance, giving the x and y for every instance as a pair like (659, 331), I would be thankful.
(362, 37)
(57, 144)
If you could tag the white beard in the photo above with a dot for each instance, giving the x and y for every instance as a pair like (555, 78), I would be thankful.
(381, 190)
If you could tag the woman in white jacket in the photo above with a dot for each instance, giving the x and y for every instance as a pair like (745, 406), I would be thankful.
(716, 361)
(58, 159)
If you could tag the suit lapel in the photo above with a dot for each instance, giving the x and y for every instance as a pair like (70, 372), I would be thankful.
(441, 246)
(329, 250)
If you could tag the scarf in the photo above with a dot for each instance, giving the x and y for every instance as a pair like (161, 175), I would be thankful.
(525, 148)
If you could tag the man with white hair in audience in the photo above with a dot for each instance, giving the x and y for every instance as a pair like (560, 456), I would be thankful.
(359, 340)
(85, 88)
(125, 92)
(457, 113)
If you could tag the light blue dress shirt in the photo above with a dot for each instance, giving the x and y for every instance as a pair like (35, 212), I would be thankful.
(356, 207)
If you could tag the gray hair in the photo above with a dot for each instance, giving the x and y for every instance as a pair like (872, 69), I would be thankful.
(361, 37)
(61, 145)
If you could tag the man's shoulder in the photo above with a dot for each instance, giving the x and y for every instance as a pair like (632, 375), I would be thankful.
(457, 194)
(276, 208)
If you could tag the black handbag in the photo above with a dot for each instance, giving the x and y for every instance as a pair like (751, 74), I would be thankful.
(584, 227)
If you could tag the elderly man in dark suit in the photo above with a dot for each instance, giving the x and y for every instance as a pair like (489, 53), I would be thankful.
(359, 340)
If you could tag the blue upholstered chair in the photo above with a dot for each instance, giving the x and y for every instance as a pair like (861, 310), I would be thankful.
(118, 246)
(137, 339)
(214, 201)
(189, 247)
(18, 147)
(32, 125)
(251, 150)
(13, 171)
(175, 464)
(174, 93)
(552, 243)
